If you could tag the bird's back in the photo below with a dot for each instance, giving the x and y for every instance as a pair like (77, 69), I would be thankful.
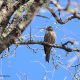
(50, 38)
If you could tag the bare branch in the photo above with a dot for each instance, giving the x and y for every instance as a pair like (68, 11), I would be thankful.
(61, 46)
(74, 13)
(60, 8)
(58, 19)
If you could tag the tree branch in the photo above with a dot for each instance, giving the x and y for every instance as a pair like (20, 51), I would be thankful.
(60, 46)
(74, 13)
(14, 31)
(58, 19)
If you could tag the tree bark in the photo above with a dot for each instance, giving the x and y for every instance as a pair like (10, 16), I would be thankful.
(14, 30)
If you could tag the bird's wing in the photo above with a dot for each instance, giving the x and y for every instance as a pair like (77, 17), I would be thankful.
(47, 38)
(50, 38)
(53, 37)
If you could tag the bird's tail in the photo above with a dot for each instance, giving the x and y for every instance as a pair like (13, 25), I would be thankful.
(47, 57)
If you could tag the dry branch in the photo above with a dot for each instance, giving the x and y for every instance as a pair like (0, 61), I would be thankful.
(61, 46)
(74, 13)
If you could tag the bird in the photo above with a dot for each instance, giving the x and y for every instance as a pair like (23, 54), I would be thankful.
(50, 37)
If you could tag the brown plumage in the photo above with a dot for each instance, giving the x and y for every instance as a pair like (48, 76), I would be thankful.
(50, 38)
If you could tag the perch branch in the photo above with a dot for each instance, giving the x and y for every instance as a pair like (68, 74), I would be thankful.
(60, 46)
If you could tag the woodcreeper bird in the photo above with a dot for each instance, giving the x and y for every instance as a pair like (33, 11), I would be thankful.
(49, 37)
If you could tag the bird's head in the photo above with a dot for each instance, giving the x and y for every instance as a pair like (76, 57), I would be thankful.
(49, 28)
